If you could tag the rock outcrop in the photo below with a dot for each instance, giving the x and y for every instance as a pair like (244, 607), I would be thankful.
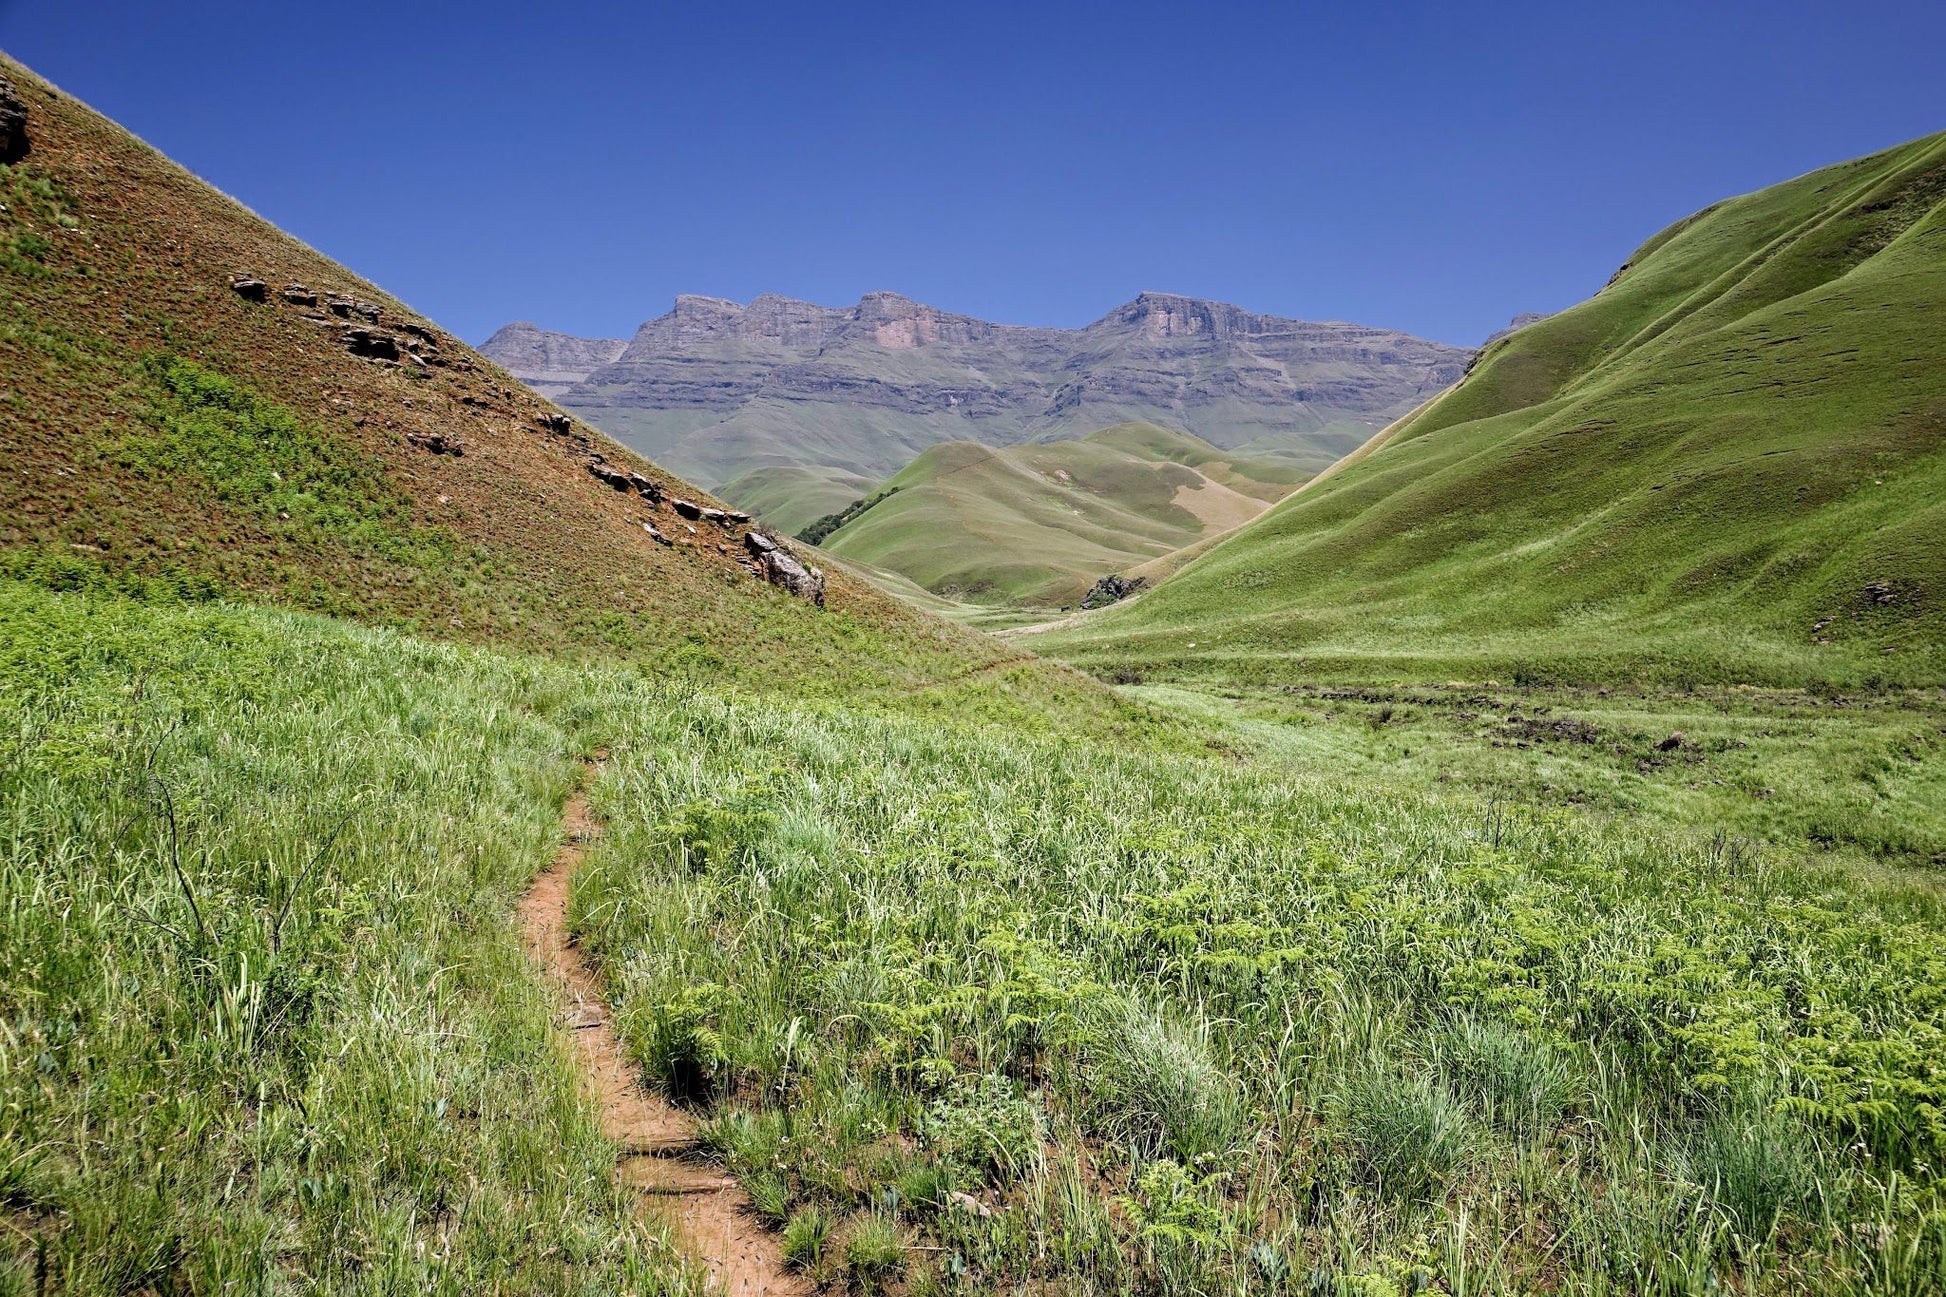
(1111, 589)
(1515, 325)
(14, 143)
(782, 569)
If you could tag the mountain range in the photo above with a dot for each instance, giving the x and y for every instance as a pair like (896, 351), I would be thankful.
(814, 400)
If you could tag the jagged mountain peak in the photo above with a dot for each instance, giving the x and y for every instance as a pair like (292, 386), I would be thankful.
(719, 389)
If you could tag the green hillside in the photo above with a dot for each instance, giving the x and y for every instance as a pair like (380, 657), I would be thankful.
(790, 497)
(1037, 525)
(1729, 464)
(166, 435)
(432, 861)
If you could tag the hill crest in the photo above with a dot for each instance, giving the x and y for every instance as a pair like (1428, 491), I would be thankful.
(1729, 463)
(198, 405)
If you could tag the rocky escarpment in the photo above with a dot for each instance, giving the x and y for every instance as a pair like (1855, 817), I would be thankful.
(718, 388)
(550, 363)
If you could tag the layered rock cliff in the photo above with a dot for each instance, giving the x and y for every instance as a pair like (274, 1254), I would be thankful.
(716, 388)
(550, 363)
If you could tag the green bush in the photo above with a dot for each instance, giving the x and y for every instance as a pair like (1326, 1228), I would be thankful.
(986, 1125)
(680, 1048)
(1515, 1079)
(1156, 1087)
(1755, 1165)
(704, 835)
(806, 1236)
(874, 1250)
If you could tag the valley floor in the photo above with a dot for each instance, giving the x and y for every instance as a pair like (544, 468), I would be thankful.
(961, 1009)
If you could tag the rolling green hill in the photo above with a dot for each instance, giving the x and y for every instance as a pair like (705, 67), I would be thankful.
(1729, 464)
(308, 923)
(790, 497)
(1037, 525)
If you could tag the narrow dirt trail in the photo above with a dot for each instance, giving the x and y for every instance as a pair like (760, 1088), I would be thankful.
(710, 1210)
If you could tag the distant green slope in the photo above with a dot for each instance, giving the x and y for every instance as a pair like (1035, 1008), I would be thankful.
(1037, 525)
(790, 497)
(1730, 463)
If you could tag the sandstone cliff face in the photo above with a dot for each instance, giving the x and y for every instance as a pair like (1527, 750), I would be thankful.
(715, 388)
(550, 363)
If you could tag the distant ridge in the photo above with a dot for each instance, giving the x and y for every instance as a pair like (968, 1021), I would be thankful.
(550, 363)
(719, 389)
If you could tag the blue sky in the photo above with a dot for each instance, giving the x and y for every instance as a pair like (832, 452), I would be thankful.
(1434, 167)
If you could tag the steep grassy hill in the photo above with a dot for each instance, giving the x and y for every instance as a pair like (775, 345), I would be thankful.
(329, 449)
(1728, 464)
(1037, 525)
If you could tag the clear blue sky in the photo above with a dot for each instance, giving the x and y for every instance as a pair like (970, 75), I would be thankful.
(1432, 167)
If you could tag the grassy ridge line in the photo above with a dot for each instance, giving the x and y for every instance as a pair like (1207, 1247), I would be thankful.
(166, 437)
(266, 1018)
(1725, 466)
(1180, 1025)
(791, 498)
(1157, 570)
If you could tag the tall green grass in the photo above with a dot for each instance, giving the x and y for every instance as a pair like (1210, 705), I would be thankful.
(966, 1011)
(1277, 1033)
(265, 1024)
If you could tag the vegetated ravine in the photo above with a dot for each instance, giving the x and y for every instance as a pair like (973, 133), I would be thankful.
(974, 975)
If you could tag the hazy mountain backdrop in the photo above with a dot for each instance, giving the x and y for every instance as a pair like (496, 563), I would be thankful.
(719, 391)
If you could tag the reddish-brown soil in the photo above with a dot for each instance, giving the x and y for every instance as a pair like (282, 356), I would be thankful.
(709, 1209)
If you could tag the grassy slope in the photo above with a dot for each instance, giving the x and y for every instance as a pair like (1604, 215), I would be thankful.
(790, 498)
(264, 1017)
(1187, 1027)
(1103, 991)
(1860, 777)
(162, 434)
(1694, 474)
(1039, 524)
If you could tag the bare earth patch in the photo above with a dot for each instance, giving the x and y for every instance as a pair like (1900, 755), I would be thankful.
(1217, 506)
(711, 1212)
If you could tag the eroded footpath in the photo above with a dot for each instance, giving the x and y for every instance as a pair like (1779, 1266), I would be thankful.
(709, 1209)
